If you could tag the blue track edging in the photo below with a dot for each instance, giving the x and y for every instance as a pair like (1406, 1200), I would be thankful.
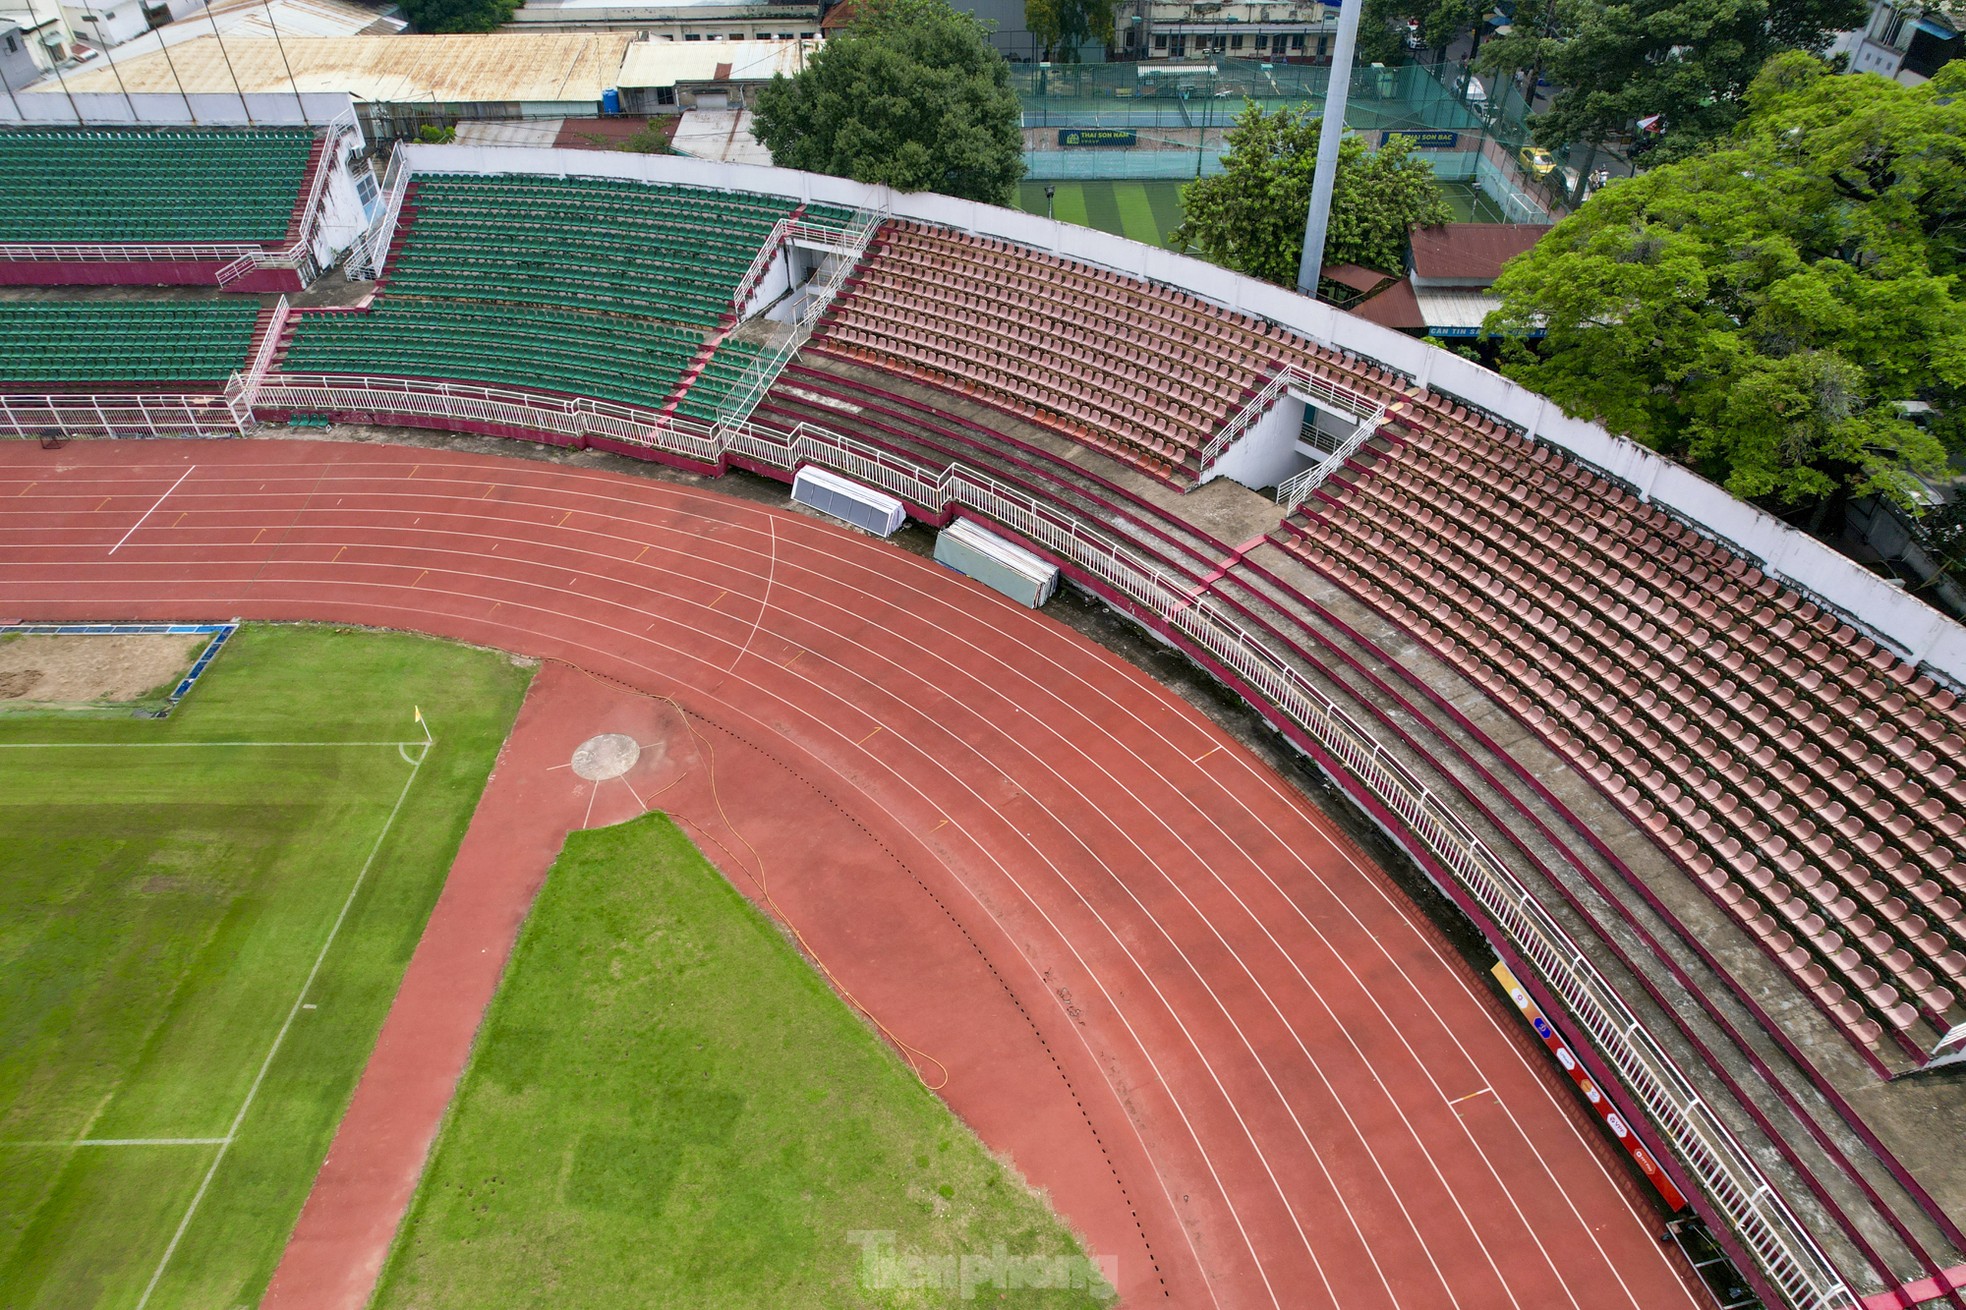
(220, 634)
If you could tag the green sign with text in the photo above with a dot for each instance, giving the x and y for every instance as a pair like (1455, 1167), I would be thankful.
(1094, 136)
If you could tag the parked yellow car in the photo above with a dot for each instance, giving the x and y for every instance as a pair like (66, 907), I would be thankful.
(1537, 160)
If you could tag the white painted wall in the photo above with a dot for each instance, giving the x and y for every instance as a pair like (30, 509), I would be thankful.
(1266, 454)
(50, 106)
(1906, 623)
(342, 216)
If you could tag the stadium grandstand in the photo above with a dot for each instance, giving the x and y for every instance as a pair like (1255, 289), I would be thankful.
(249, 209)
(1694, 778)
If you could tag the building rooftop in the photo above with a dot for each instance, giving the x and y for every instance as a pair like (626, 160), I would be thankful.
(1470, 252)
(499, 66)
(286, 19)
(666, 63)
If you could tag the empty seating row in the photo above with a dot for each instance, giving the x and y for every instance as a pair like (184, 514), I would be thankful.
(1141, 371)
(100, 341)
(632, 361)
(130, 186)
(584, 286)
(665, 252)
(617, 195)
(1812, 784)
(720, 375)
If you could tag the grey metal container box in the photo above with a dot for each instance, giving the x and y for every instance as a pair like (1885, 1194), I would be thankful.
(996, 563)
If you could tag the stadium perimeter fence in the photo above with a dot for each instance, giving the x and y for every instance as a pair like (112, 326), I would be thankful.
(1165, 119)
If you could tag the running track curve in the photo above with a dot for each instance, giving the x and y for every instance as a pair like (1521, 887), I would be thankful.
(1238, 1059)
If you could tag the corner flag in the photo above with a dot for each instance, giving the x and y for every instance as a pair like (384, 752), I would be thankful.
(419, 712)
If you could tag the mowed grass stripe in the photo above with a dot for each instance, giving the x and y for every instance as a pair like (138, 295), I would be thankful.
(1164, 198)
(1069, 204)
(667, 1106)
(159, 910)
(1102, 207)
(1136, 216)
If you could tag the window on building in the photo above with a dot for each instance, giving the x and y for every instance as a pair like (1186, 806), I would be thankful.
(13, 43)
(691, 36)
(1262, 42)
(1160, 41)
(665, 95)
(1180, 46)
(1323, 46)
(1235, 41)
(1296, 40)
(364, 184)
(805, 36)
(785, 36)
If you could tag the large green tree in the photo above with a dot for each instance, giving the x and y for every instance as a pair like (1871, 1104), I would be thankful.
(459, 15)
(1062, 26)
(910, 95)
(1251, 216)
(1688, 60)
(1761, 310)
(1382, 27)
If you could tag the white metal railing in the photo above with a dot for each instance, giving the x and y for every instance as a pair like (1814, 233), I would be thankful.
(263, 357)
(128, 253)
(113, 415)
(310, 213)
(790, 229)
(1738, 1193)
(366, 255)
(242, 256)
(1284, 379)
(849, 248)
(1296, 489)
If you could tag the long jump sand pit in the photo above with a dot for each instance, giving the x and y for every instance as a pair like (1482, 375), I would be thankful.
(77, 671)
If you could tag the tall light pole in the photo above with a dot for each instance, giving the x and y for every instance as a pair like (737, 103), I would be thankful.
(1318, 220)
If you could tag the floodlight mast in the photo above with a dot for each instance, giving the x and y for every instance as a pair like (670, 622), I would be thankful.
(1318, 220)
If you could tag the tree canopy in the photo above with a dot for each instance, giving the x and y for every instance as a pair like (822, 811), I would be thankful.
(1062, 26)
(910, 95)
(1761, 309)
(1689, 60)
(459, 15)
(1382, 27)
(1251, 217)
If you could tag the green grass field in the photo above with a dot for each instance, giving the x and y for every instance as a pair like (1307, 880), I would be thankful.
(668, 1107)
(1143, 211)
(1148, 211)
(167, 890)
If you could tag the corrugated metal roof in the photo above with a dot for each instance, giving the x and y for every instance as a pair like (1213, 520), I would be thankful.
(495, 67)
(666, 63)
(1455, 308)
(1471, 251)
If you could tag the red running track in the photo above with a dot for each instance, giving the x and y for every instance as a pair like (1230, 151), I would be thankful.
(1236, 1057)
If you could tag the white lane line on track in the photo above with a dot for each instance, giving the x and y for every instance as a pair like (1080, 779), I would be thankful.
(153, 509)
(1223, 1088)
(764, 604)
(1119, 1099)
(279, 1038)
(1300, 1041)
(1269, 783)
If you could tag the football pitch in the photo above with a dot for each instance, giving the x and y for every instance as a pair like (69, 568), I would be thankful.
(203, 920)
(1149, 210)
(668, 1106)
